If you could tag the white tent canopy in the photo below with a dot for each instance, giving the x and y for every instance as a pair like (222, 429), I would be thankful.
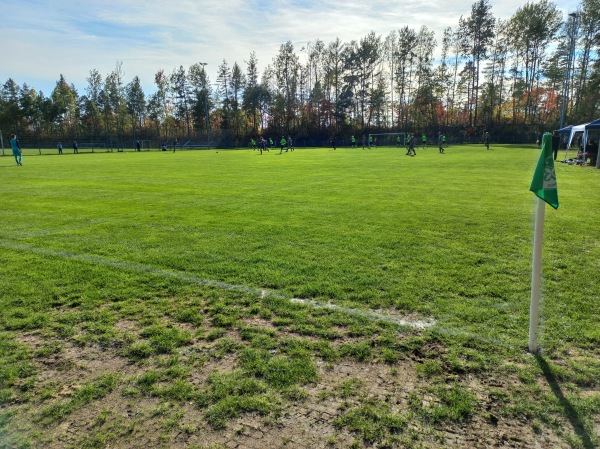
(582, 129)
(578, 129)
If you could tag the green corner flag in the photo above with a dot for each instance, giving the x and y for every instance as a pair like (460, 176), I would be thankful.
(543, 184)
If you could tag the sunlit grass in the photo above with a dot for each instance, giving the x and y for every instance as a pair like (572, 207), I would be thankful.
(189, 248)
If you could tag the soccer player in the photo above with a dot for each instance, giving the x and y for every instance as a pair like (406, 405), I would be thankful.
(486, 140)
(16, 149)
(59, 148)
(75, 148)
(398, 141)
(282, 143)
(253, 143)
(411, 146)
(138, 146)
(424, 140)
(353, 142)
(333, 142)
(370, 141)
(440, 143)
(262, 144)
(271, 143)
(290, 145)
(444, 140)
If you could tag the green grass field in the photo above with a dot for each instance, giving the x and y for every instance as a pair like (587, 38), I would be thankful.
(208, 299)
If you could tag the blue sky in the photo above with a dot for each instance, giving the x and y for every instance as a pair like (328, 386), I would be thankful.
(42, 39)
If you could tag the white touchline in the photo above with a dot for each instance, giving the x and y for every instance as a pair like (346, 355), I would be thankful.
(262, 293)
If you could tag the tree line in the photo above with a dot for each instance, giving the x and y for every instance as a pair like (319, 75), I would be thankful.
(493, 75)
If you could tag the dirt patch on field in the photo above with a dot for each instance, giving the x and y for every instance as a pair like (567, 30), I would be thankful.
(120, 420)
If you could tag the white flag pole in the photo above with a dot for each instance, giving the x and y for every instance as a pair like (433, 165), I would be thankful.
(536, 276)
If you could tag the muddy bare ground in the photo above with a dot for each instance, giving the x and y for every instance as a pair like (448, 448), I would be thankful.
(119, 420)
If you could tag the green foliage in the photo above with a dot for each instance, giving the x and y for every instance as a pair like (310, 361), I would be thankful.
(233, 394)
(226, 346)
(361, 351)
(190, 315)
(231, 407)
(140, 350)
(83, 395)
(15, 364)
(24, 319)
(163, 339)
(452, 402)
(180, 390)
(373, 421)
(234, 384)
(350, 387)
(279, 371)
(430, 368)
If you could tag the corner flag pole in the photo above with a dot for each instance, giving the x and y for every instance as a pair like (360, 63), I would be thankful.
(543, 185)
(536, 276)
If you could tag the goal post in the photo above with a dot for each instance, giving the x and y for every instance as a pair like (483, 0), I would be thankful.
(89, 146)
(387, 139)
(145, 145)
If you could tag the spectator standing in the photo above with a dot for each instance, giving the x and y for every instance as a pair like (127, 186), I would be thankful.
(555, 143)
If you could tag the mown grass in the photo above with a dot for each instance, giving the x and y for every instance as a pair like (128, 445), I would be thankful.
(191, 248)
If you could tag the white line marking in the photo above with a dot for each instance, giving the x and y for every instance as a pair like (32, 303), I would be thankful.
(261, 293)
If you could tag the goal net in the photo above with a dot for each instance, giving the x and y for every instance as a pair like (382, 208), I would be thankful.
(145, 145)
(387, 139)
(91, 146)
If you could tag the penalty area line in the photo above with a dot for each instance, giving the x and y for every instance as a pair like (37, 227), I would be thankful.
(262, 293)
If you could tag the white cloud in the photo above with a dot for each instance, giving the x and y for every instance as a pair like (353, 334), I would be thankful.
(46, 38)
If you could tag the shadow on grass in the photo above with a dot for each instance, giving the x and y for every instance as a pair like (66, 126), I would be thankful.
(572, 414)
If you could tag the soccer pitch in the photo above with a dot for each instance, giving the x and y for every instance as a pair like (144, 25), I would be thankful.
(316, 298)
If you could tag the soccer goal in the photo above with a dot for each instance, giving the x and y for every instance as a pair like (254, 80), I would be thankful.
(145, 145)
(89, 146)
(387, 139)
